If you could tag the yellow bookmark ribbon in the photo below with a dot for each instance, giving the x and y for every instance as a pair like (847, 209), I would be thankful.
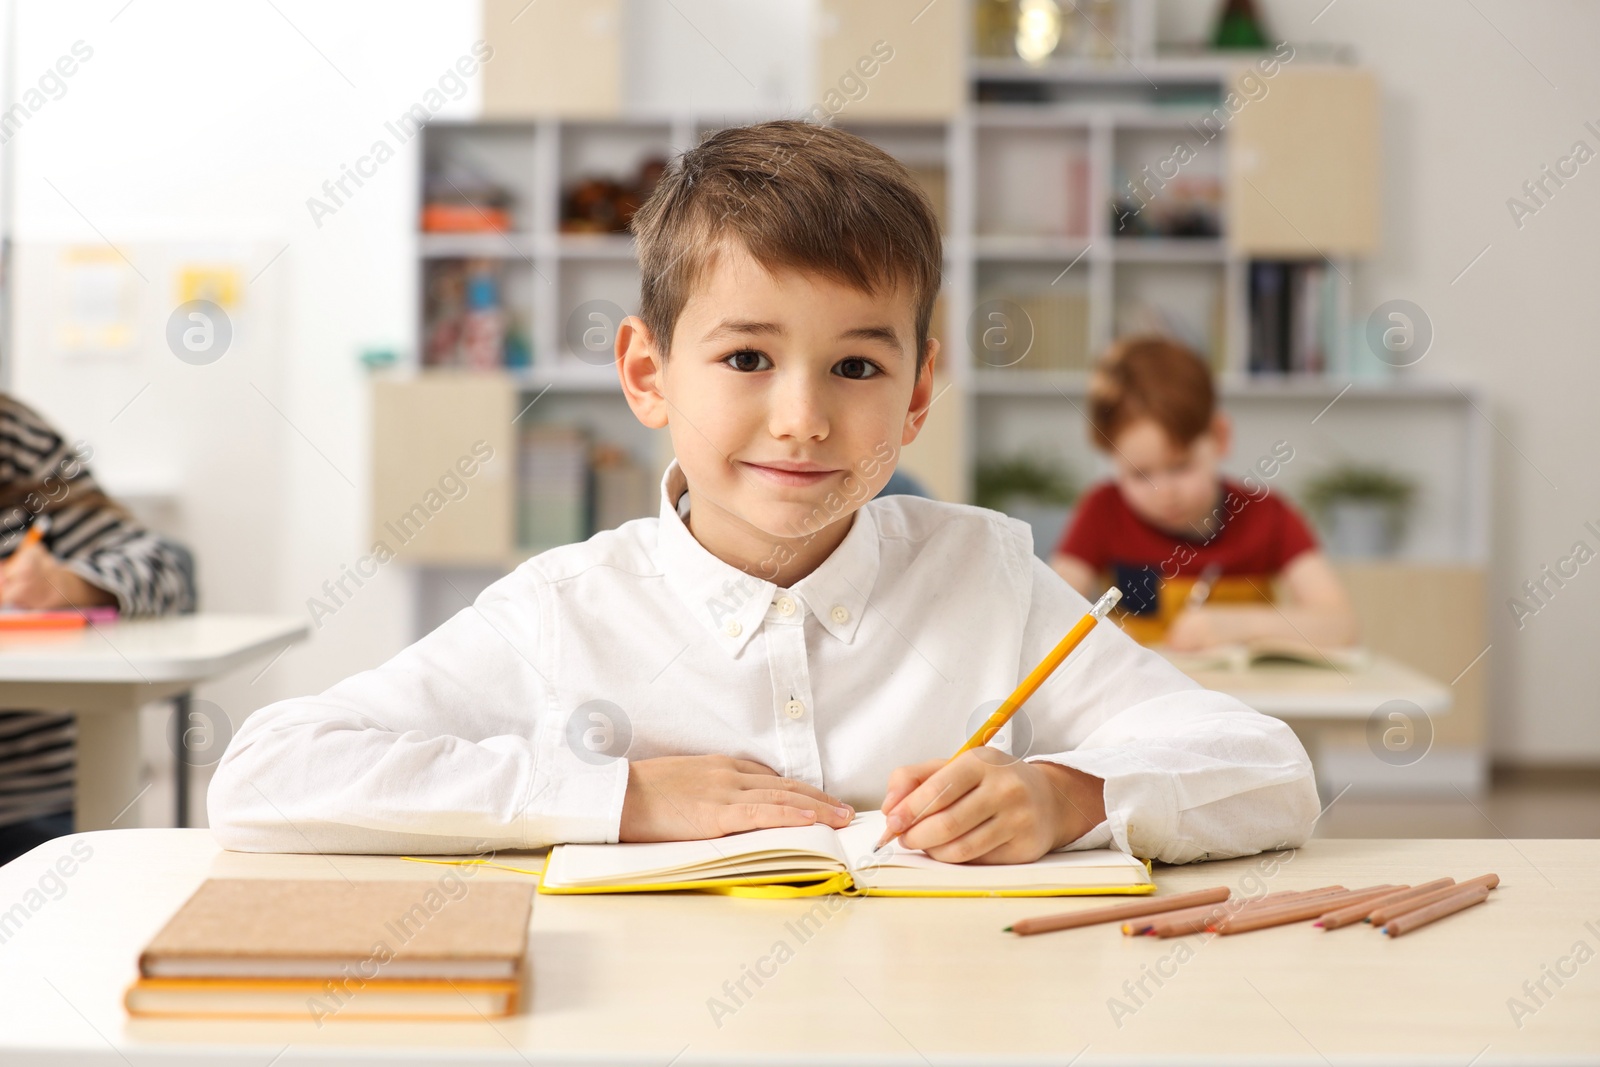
(474, 863)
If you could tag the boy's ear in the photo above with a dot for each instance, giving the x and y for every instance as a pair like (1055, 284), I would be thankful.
(922, 395)
(1222, 432)
(641, 368)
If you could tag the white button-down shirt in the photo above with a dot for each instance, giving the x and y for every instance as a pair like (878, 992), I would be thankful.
(512, 725)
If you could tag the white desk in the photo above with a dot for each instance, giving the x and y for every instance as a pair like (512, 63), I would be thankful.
(627, 978)
(1295, 692)
(105, 673)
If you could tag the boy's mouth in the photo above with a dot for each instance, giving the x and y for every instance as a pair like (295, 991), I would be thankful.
(789, 474)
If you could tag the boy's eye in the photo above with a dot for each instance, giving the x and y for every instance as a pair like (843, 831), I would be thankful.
(858, 368)
(747, 359)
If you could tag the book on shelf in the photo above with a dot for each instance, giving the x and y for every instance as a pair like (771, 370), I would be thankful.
(622, 488)
(1291, 317)
(570, 485)
(553, 486)
(1060, 322)
(332, 948)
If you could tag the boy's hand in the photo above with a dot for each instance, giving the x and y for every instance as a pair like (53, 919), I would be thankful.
(32, 578)
(686, 798)
(987, 806)
(1198, 628)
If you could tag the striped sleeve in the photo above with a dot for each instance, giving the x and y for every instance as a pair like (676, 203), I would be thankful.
(148, 574)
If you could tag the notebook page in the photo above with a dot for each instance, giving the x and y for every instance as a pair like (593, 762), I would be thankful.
(898, 865)
(668, 861)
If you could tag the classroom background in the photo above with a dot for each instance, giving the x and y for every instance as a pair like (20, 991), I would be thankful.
(409, 216)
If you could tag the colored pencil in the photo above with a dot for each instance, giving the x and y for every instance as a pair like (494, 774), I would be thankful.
(1382, 915)
(1111, 913)
(1459, 900)
(1199, 920)
(1357, 912)
(1261, 918)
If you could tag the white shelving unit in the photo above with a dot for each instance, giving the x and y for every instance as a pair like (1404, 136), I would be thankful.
(1027, 194)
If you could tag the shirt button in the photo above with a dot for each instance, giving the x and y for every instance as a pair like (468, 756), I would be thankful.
(794, 709)
(733, 629)
(840, 615)
(785, 605)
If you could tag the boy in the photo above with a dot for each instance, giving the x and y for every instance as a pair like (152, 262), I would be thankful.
(778, 648)
(1168, 514)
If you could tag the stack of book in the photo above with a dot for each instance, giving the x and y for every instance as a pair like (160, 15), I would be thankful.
(1059, 323)
(252, 948)
(622, 489)
(1291, 317)
(553, 495)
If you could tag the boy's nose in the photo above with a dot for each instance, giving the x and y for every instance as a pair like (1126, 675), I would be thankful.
(798, 410)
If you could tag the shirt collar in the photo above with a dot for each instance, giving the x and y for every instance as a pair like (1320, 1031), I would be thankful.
(731, 604)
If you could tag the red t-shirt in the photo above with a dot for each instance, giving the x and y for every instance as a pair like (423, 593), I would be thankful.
(1244, 535)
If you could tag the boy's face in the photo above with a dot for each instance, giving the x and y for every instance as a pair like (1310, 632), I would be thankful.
(788, 397)
(1171, 487)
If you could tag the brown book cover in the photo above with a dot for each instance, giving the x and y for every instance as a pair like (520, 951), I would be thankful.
(278, 928)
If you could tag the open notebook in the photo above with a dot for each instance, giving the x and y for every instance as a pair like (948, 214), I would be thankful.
(803, 860)
(1268, 652)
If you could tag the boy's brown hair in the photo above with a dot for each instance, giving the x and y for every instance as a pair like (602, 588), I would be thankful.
(796, 195)
(1150, 377)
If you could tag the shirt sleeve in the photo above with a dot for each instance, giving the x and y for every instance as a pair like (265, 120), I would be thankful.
(1085, 535)
(1190, 774)
(452, 746)
(1294, 535)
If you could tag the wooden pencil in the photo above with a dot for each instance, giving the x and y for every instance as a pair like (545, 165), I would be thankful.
(1357, 912)
(1196, 920)
(1260, 918)
(1382, 915)
(1141, 925)
(1115, 912)
(1459, 900)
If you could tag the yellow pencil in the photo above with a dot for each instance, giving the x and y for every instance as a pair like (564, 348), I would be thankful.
(1047, 666)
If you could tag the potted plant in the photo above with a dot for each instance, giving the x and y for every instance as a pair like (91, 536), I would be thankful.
(1036, 489)
(1361, 509)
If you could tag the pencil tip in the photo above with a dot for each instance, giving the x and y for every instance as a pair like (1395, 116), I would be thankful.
(1007, 930)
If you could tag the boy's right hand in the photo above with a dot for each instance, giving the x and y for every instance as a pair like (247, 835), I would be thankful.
(687, 798)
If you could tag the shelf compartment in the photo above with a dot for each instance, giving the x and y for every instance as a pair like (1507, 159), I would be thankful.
(1032, 183)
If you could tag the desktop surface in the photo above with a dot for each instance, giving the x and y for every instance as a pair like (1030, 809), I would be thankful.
(689, 978)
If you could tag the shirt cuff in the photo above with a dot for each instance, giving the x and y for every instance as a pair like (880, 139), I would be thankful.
(1099, 837)
(1141, 803)
(579, 804)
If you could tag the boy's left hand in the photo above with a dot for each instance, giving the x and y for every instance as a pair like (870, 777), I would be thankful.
(987, 806)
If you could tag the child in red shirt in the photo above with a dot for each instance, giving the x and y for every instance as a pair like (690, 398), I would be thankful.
(1168, 517)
